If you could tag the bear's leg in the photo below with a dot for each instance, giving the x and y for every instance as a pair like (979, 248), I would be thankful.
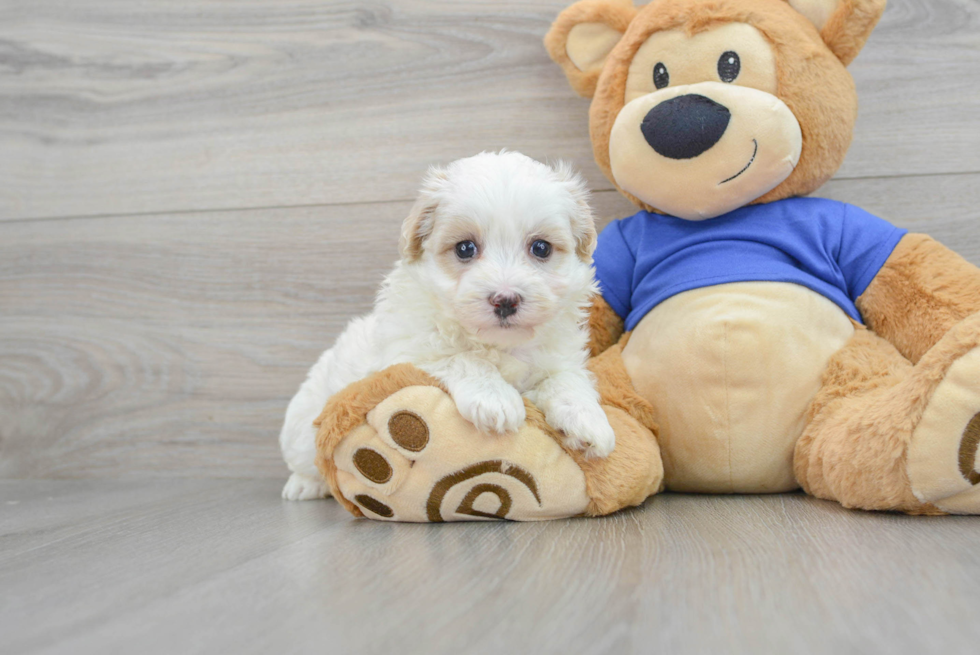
(394, 447)
(616, 482)
(883, 434)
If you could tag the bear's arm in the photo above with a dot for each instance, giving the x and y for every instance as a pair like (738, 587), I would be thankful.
(922, 291)
(615, 267)
(605, 326)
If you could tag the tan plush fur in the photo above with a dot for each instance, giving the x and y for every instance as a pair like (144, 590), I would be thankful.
(630, 475)
(855, 447)
(923, 290)
(614, 13)
(850, 26)
(635, 470)
(853, 450)
(616, 388)
(605, 326)
(349, 409)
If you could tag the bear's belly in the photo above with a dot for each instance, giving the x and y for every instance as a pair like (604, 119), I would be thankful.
(731, 370)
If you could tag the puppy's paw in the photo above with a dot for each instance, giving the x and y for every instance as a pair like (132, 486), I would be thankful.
(301, 487)
(585, 426)
(498, 408)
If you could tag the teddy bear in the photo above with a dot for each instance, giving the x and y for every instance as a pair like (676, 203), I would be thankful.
(748, 338)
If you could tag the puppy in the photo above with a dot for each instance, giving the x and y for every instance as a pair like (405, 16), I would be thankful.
(490, 296)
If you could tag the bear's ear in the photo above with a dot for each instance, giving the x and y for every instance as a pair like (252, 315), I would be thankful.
(844, 25)
(583, 36)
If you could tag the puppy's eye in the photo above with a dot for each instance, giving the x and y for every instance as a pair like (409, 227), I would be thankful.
(541, 249)
(466, 250)
(729, 66)
(661, 78)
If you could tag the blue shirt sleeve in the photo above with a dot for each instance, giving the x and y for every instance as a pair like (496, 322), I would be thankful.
(866, 244)
(614, 267)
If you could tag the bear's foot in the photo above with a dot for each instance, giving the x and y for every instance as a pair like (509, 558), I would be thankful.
(942, 456)
(416, 459)
(394, 447)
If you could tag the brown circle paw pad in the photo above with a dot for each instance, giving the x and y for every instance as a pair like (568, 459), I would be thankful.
(373, 505)
(372, 465)
(409, 431)
(968, 451)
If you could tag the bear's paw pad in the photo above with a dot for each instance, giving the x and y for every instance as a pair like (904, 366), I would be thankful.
(416, 459)
(943, 458)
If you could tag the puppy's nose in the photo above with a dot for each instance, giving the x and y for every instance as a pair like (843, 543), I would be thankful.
(686, 126)
(504, 306)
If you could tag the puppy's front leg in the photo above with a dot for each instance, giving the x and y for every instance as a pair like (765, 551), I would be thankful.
(570, 403)
(482, 395)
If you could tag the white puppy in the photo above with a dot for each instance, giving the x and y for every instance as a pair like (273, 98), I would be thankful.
(490, 296)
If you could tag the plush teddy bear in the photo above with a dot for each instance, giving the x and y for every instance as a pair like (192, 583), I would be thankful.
(748, 339)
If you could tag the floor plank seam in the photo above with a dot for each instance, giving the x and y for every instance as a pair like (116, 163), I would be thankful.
(395, 201)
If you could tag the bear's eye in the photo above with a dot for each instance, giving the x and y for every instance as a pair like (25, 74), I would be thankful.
(661, 78)
(729, 66)
(466, 250)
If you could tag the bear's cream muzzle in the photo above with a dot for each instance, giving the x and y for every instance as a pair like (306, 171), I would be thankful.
(703, 150)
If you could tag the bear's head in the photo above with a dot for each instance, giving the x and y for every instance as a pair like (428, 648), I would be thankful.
(702, 106)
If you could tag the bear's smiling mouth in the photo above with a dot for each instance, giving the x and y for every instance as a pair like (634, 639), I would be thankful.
(754, 153)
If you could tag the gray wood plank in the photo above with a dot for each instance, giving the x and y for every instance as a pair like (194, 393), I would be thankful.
(97, 554)
(228, 567)
(112, 107)
(170, 344)
(45, 513)
(185, 334)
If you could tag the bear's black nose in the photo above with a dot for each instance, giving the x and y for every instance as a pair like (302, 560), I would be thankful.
(686, 126)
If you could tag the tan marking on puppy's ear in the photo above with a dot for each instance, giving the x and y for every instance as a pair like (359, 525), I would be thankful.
(585, 233)
(582, 37)
(416, 229)
(418, 225)
(582, 220)
(844, 25)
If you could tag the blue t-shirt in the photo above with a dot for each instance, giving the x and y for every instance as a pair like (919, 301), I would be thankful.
(830, 247)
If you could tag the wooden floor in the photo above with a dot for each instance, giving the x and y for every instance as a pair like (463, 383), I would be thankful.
(196, 195)
(200, 566)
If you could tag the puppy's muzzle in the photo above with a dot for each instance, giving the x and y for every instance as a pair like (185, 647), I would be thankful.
(686, 126)
(504, 306)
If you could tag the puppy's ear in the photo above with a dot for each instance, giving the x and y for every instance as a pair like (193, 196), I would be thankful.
(418, 225)
(585, 235)
(583, 36)
(582, 218)
(844, 25)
